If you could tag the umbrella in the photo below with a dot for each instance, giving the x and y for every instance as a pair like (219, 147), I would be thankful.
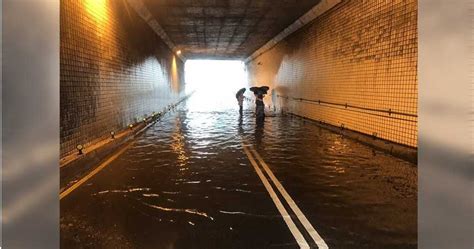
(264, 89)
(254, 89)
(240, 92)
(259, 90)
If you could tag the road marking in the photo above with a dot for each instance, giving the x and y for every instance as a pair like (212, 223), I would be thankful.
(286, 217)
(301, 217)
(92, 173)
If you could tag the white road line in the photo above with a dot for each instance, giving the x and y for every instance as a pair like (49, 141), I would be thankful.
(301, 217)
(286, 217)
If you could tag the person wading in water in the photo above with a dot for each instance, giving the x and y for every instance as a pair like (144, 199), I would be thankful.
(260, 107)
(240, 99)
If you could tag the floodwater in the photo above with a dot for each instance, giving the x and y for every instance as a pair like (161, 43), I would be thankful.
(186, 182)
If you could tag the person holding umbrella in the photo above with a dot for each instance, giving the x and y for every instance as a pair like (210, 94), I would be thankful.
(240, 99)
(260, 106)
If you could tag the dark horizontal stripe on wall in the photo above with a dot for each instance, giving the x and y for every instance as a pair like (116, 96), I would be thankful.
(347, 106)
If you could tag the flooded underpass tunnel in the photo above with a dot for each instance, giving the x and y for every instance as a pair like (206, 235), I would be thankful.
(156, 154)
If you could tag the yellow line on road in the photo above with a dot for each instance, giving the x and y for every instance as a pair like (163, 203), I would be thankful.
(95, 171)
(286, 217)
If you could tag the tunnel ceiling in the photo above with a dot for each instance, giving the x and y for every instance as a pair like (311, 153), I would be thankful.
(225, 29)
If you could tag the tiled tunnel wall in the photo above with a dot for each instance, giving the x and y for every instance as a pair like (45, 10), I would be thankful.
(114, 70)
(354, 66)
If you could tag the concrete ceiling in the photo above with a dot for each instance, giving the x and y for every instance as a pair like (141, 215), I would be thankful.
(225, 29)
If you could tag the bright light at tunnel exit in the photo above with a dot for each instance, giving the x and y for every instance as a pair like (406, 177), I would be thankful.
(215, 83)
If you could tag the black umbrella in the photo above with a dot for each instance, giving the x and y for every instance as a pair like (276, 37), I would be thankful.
(264, 89)
(260, 90)
(240, 92)
(255, 89)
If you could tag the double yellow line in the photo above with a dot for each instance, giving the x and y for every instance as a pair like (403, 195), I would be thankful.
(253, 156)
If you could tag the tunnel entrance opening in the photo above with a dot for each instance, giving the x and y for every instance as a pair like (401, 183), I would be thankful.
(214, 83)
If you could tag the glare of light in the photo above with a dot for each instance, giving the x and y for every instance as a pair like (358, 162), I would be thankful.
(97, 9)
(215, 83)
(174, 76)
(178, 52)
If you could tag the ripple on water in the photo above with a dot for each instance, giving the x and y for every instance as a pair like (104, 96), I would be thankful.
(342, 181)
(180, 210)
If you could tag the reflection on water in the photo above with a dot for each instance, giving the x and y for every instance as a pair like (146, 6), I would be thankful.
(177, 144)
(347, 185)
(355, 198)
(259, 133)
(186, 210)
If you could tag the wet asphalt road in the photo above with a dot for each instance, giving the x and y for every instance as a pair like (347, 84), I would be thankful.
(187, 183)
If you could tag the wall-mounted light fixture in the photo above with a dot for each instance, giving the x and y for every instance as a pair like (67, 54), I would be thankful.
(79, 148)
(130, 126)
(112, 135)
(178, 52)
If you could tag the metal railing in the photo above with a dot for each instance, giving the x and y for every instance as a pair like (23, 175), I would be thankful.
(372, 111)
